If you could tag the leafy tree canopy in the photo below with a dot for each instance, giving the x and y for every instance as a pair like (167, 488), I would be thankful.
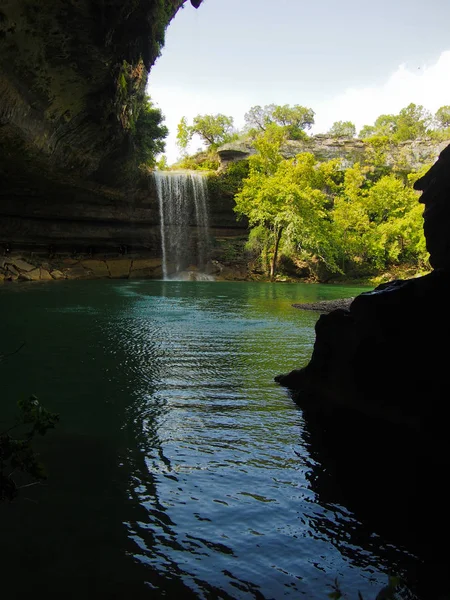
(412, 122)
(293, 119)
(442, 117)
(342, 129)
(288, 197)
(149, 133)
(213, 130)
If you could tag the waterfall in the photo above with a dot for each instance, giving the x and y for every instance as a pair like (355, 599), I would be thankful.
(184, 223)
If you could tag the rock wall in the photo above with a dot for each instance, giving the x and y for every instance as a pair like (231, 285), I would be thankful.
(414, 153)
(72, 75)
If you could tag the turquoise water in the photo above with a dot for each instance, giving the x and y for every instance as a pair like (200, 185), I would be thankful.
(179, 468)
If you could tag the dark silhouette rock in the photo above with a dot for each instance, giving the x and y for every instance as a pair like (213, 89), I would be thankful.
(375, 395)
(435, 187)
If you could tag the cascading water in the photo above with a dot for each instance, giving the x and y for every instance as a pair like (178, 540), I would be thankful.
(183, 211)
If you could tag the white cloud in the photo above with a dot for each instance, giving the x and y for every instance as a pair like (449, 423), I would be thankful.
(428, 85)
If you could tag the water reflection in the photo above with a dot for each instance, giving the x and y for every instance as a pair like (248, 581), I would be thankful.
(206, 469)
(376, 471)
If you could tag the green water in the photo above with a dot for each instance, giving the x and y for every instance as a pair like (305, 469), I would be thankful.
(179, 468)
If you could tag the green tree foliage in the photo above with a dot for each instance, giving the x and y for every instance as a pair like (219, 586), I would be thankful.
(379, 224)
(202, 161)
(384, 126)
(442, 117)
(213, 130)
(287, 197)
(345, 129)
(230, 181)
(360, 219)
(411, 123)
(183, 134)
(149, 133)
(17, 456)
(293, 119)
(162, 164)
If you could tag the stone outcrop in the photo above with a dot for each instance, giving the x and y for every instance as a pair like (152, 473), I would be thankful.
(414, 153)
(72, 74)
(34, 268)
(72, 80)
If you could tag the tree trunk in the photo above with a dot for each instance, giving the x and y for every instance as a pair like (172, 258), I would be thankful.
(273, 264)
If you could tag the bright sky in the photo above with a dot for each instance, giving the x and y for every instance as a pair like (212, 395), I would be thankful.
(348, 60)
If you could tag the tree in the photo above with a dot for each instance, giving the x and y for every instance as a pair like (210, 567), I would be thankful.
(366, 131)
(342, 129)
(412, 122)
(183, 134)
(213, 130)
(149, 133)
(293, 119)
(286, 196)
(380, 223)
(17, 455)
(162, 164)
(442, 117)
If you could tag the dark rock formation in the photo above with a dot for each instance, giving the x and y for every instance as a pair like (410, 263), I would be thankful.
(72, 81)
(377, 356)
(325, 306)
(72, 73)
(435, 187)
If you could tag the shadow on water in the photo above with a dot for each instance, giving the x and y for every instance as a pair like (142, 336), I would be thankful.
(393, 486)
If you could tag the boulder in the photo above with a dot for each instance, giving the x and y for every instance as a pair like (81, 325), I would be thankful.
(45, 275)
(56, 274)
(33, 275)
(21, 265)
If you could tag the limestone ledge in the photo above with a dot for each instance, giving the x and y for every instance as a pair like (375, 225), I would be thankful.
(25, 268)
(19, 268)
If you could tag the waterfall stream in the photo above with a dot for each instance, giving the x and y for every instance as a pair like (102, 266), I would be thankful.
(183, 212)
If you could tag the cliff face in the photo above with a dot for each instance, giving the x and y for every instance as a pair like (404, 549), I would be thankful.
(72, 78)
(72, 74)
(414, 153)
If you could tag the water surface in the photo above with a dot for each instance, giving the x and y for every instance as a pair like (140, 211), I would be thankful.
(179, 468)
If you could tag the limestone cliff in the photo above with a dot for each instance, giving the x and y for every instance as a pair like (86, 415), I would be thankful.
(414, 153)
(72, 79)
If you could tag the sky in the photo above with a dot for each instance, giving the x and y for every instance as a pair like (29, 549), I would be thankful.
(347, 60)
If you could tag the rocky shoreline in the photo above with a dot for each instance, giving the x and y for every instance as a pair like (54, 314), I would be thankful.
(326, 306)
(25, 267)
(19, 268)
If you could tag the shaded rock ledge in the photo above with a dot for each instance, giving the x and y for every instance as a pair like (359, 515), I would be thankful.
(326, 306)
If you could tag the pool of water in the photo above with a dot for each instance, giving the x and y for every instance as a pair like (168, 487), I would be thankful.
(179, 468)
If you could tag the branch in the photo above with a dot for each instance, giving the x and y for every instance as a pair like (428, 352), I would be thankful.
(3, 356)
